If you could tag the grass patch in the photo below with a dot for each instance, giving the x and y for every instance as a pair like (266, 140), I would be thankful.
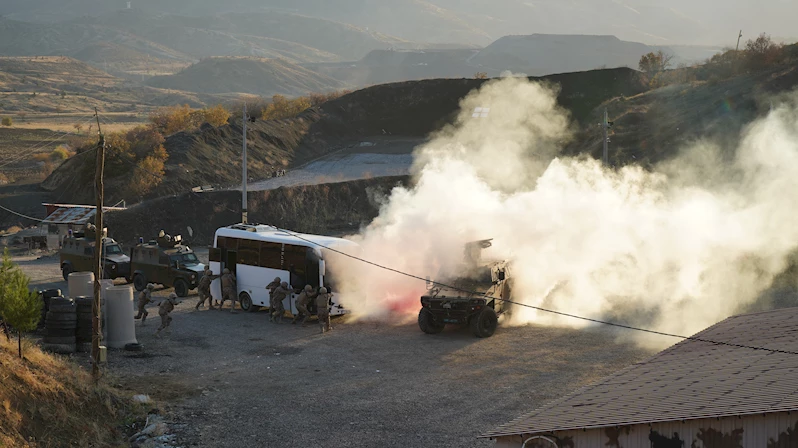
(48, 401)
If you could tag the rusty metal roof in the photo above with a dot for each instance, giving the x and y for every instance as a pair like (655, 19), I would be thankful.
(689, 380)
(70, 215)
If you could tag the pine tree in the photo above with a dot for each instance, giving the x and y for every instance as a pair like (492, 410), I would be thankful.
(19, 307)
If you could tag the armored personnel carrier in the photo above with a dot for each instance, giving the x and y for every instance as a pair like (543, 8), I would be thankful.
(77, 255)
(472, 299)
(166, 261)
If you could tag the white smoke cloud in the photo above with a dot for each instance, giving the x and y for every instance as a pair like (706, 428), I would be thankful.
(673, 250)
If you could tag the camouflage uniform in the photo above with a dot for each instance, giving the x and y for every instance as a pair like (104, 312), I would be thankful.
(204, 289)
(271, 287)
(228, 289)
(164, 309)
(277, 310)
(323, 309)
(145, 297)
(302, 302)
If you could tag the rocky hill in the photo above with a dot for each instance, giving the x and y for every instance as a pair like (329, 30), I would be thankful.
(411, 109)
(258, 76)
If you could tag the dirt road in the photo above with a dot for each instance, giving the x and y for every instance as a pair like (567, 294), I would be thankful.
(233, 380)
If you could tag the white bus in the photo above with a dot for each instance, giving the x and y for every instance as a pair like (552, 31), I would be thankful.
(257, 254)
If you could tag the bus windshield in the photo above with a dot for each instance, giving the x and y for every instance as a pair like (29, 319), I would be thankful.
(189, 258)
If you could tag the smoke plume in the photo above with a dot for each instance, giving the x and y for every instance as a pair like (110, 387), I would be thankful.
(675, 250)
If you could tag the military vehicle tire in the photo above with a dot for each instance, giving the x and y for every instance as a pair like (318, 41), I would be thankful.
(134, 347)
(139, 282)
(427, 322)
(181, 288)
(66, 270)
(58, 332)
(53, 316)
(484, 324)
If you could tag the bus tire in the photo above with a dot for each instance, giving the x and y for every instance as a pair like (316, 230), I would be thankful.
(245, 301)
(181, 288)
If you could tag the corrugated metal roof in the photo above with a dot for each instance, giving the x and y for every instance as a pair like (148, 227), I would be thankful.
(687, 381)
(70, 215)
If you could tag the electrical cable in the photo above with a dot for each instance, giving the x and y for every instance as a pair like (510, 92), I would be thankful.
(40, 145)
(560, 313)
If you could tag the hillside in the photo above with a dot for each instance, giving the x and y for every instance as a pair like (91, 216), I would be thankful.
(50, 401)
(258, 76)
(412, 109)
(276, 33)
(61, 85)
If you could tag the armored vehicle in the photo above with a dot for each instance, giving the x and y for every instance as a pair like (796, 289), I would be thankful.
(475, 298)
(77, 255)
(166, 261)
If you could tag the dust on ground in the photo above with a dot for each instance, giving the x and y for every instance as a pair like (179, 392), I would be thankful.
(232, 380)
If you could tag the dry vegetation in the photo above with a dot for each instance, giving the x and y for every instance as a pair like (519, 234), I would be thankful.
(48, 401)
(758, 54)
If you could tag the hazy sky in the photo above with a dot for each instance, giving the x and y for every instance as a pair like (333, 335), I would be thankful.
(712, 22)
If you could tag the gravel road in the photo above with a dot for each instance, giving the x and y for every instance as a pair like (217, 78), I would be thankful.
(234, 380)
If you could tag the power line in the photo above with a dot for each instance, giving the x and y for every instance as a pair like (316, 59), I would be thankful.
(560, 313)
(40, 145)
(20, 214)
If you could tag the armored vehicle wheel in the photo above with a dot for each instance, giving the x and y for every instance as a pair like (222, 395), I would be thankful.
(484, 324)
(66, 270)
(139, 282)
(427, 322)
(181, 288)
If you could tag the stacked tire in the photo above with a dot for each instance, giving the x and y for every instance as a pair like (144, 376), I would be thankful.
(60, 326)
(46, 295)
(84, 327)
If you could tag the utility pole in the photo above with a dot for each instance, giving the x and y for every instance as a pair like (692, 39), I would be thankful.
(738, 41)
(96, 334)
(605, 126)
(736, 52)
(244, 119)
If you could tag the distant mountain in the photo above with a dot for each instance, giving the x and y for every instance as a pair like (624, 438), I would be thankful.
(480, 22)
(258, 76)
(542, 54)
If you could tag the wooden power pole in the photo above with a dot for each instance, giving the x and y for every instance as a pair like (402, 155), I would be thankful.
(96, 327)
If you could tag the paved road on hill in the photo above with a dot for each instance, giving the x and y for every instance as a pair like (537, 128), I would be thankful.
(378, 157)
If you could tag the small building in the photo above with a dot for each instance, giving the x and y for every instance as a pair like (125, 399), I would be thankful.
(61, 218)
(694, 394)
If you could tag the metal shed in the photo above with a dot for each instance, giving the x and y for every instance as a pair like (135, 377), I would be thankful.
(694, 395)
(64, 217)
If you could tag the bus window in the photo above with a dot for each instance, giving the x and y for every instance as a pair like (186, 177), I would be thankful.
(248, 252)
(270, 255)
(311, 268)
(215, 254)
(295, 260)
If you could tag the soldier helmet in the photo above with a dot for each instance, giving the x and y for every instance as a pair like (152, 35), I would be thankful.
(226, 271)
(277, 280)
(150, 286)
(308, 288)
(172, 296)
(323, 290)
(284, 284)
